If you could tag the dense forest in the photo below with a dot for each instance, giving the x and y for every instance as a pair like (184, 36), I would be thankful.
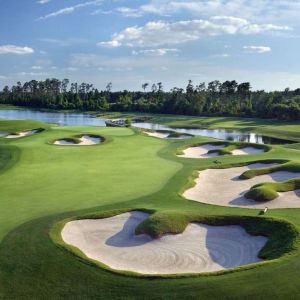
(216, 98)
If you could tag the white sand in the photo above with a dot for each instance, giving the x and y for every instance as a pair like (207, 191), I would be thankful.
(223, 187)
(86, 140)
(247, 151)
(199, 249)
(201, 151)
(160, 135)
(21, 134)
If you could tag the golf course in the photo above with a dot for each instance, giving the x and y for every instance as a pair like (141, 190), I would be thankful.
(116, 213)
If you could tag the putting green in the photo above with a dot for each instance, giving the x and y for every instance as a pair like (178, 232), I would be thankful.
(42, 184)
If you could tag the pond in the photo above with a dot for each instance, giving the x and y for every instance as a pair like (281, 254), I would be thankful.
(85, 119)
(60, 118)
(221, 134)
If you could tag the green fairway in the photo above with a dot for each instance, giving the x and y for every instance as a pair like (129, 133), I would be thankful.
(43, 184)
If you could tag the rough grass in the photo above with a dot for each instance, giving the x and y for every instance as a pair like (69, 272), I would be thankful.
(269, 191)
(282, 235)
(289, 166)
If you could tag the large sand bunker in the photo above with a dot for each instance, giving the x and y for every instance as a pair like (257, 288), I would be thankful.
(223, 187)
(85, 140)
(21, 134)
(200, 248)
(201, 151)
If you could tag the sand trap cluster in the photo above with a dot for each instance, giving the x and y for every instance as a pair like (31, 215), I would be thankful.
(223, 187)
(166, 135)
(247, 151)
(21, 134)
(201, 151)
(85, 140)
(200, 248)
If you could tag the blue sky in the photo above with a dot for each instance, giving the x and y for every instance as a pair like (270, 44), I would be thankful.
(137, 41)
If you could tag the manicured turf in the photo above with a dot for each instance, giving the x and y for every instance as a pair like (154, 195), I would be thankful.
(43, 184)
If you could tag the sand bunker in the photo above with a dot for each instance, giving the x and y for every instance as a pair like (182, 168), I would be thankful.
(85, 140)
(247, 151)
(200, 248)
(223, 187)
(160, 135)
(21, 134)
(201, 151)
(167, 135)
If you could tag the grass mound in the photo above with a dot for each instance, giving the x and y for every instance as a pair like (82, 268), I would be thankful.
(289, 166)
(269, 191)
(261, 194)
(281, 234)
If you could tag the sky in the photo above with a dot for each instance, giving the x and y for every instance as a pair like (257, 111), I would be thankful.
(133, 42)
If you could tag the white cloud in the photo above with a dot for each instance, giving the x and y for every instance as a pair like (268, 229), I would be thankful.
(257, 10)
(256, 49)
(2, 77)
(110, 44)
(72, 69)
(36, 67)
(70, 9)
(223, 55)
(155, 52)
(12, 49)
(43, 1)
(130, 12)
(34, 74)
(159, 33)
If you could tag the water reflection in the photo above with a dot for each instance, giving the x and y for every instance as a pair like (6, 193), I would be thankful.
(221, 134)
(59, 118)
(84, 119)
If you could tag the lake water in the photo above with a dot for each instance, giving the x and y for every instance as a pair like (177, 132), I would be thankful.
(59, 118)
(221, 134)
(63, 119)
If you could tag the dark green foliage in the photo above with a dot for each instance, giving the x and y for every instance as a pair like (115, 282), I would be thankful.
(128, 122)
(216, 99)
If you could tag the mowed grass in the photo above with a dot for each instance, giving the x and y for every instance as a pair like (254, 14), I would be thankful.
(48, 184)
(49, 179)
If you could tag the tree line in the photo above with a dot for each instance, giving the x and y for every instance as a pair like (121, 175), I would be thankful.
(228, 98)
